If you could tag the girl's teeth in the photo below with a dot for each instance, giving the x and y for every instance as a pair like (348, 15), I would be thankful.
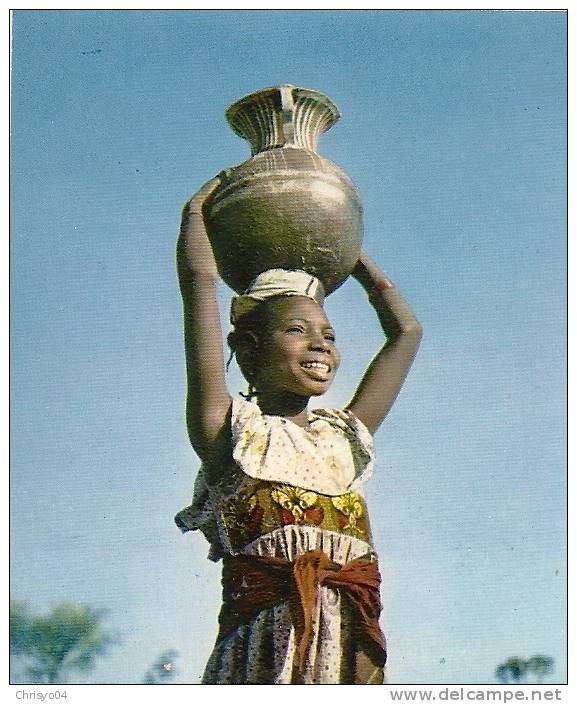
(316, 365)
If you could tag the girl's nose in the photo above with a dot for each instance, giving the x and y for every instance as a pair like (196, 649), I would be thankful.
(320, 342)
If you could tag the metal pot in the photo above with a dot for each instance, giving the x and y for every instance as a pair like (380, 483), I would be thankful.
(286, 207)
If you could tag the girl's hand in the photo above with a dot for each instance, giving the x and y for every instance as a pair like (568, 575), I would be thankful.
(193, 251)
(201, 197)
(368, 274)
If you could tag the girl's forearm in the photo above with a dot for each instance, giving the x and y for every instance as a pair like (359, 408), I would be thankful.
(194, 256)
(394, 313)
(194, 253)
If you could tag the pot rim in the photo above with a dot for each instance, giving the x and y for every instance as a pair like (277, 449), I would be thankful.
(275, 92)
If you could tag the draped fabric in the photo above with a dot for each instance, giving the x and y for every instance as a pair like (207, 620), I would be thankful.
(251, 584)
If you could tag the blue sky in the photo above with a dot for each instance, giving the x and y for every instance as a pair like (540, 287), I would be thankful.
(453, 130)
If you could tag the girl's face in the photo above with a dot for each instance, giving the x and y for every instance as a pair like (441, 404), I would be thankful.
(298, 354)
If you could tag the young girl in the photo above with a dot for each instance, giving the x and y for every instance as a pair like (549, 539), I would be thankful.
(279, 492)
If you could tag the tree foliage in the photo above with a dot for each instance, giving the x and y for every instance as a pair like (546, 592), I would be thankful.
(162, 670)
(541, 666)
(516, 670)
(49, 649)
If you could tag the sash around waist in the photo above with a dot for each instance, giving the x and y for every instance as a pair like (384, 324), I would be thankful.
(251, 584)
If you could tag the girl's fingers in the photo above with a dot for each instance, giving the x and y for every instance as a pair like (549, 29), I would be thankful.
(199, 198)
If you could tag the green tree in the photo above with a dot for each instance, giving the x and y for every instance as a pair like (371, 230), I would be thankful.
(50, 649)
(516, 669)
(513, 670)
(502, 674)
(162, 670)
(541, 666)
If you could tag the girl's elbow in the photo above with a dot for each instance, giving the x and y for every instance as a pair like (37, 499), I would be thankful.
(412, 331)
(206, 426)
(415, 336)
(416, 330)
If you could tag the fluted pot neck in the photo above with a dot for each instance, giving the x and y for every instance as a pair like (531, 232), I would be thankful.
(282, 116)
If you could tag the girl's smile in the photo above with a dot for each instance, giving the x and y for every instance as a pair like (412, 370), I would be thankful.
(318, 369)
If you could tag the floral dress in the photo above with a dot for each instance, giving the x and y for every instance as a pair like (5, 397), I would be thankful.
(289, 490)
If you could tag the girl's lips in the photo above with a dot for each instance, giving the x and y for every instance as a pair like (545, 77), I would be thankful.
(317, 370)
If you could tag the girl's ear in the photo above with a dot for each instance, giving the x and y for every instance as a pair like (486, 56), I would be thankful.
(247, 348)
(248, 342)
(251, 337)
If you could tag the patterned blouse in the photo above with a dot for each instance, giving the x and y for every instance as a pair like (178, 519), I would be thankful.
(284, 475)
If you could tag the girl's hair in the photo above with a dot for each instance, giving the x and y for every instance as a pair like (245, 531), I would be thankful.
(248, 335)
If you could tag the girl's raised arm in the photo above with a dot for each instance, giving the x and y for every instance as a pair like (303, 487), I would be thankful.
(208, 401)
(386, 373)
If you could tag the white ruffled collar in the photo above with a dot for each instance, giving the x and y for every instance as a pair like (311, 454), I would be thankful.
(332, 456)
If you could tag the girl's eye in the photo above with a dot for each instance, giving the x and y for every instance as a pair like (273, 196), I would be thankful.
(330, 336)
(295, 329)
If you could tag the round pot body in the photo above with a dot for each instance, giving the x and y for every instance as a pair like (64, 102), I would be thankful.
(286, 207)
